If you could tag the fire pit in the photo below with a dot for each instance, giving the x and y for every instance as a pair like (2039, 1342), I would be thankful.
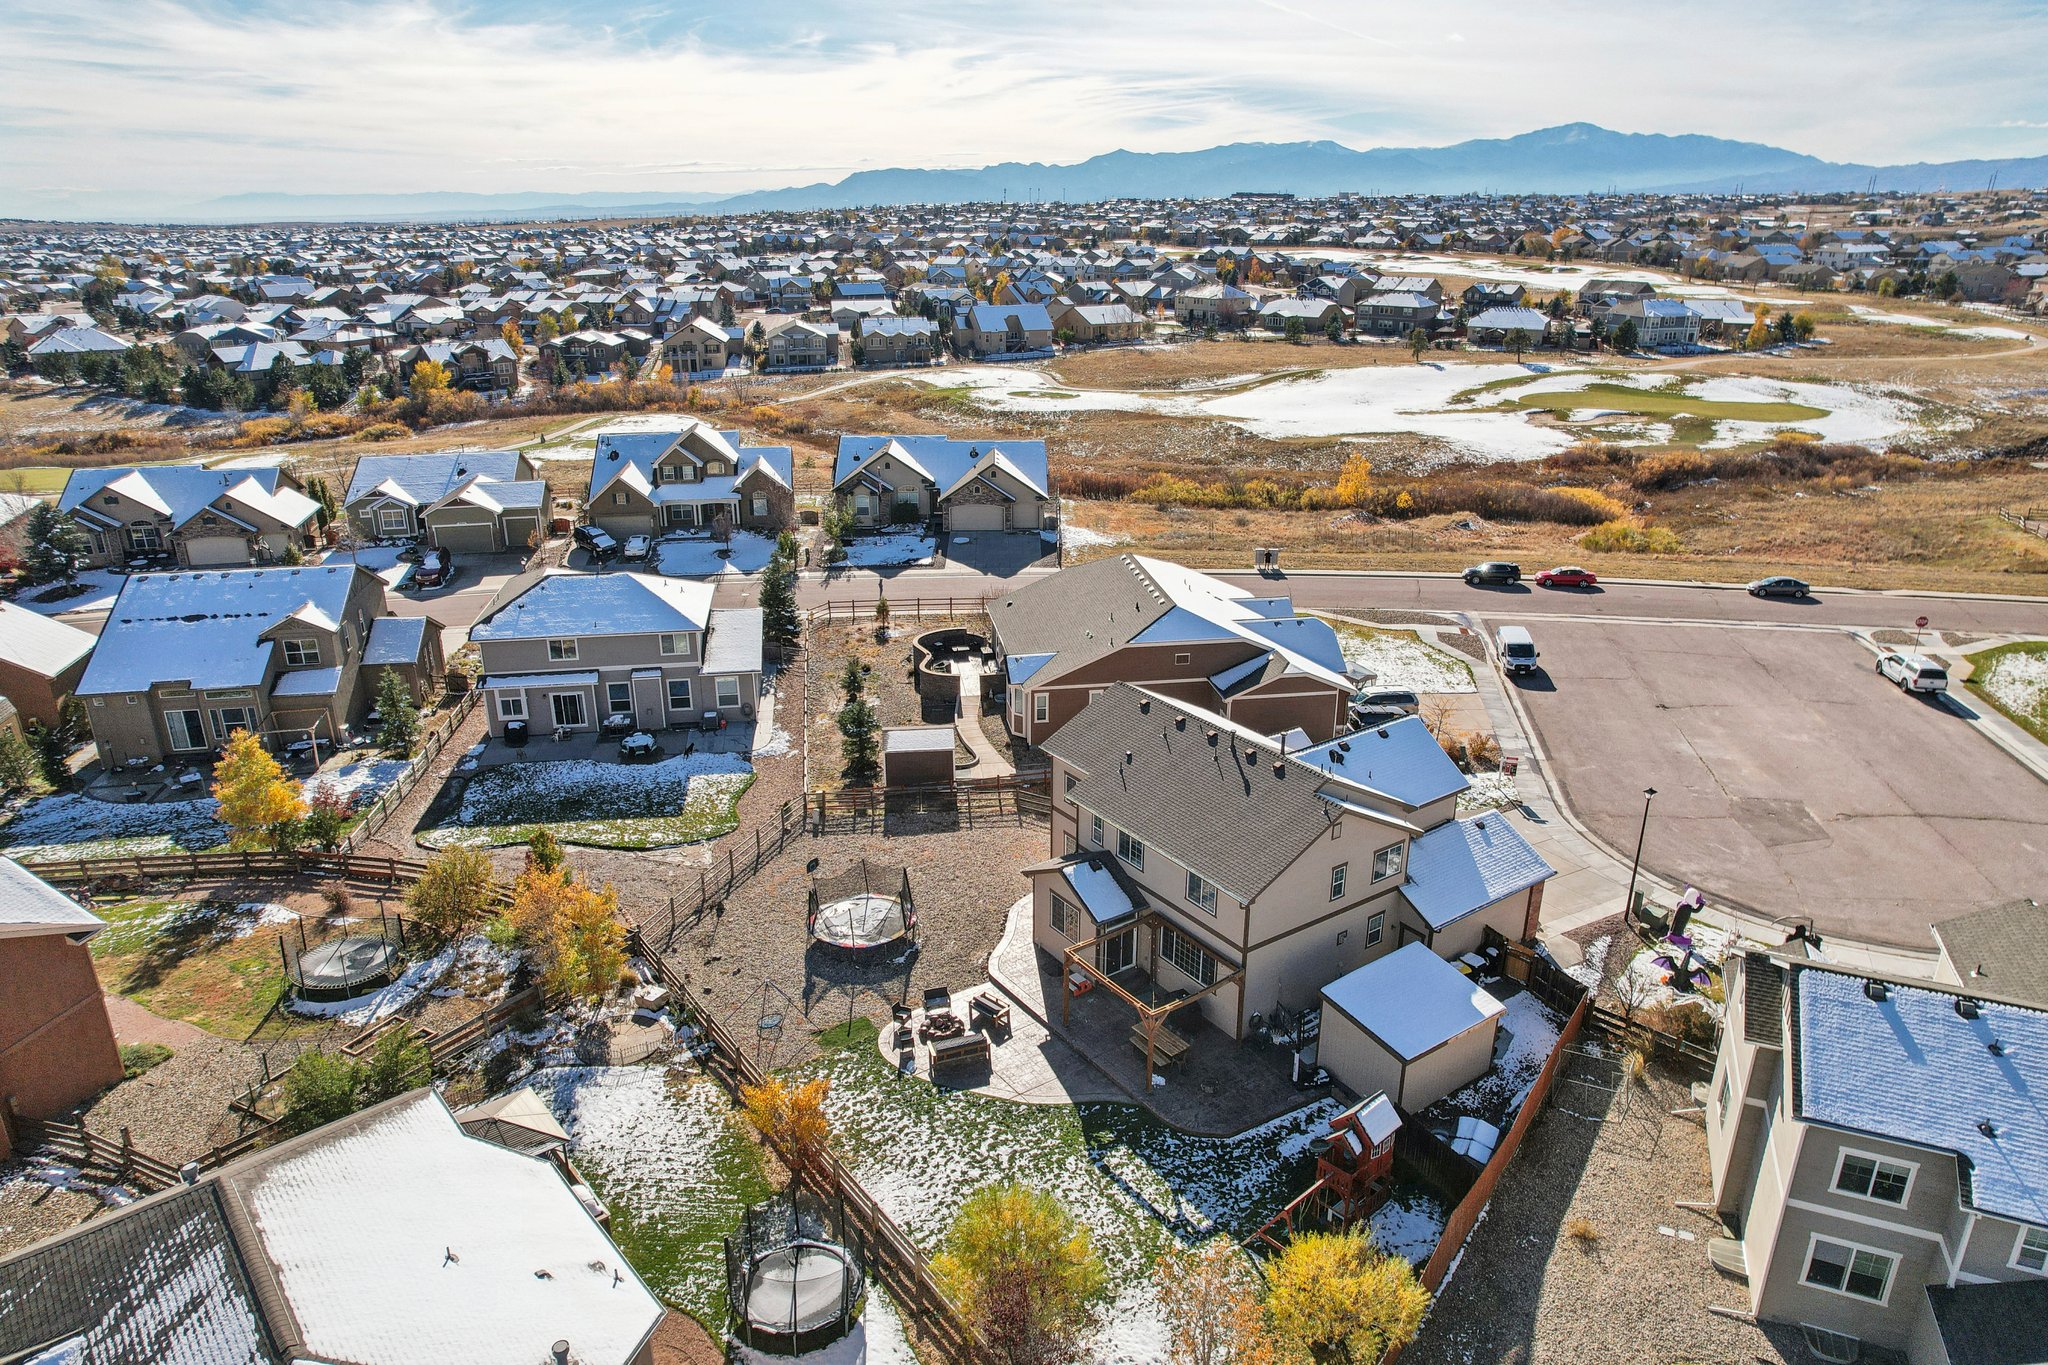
(942, 1024)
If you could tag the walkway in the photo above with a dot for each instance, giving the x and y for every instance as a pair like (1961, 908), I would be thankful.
(989, 761)
(134, 1024)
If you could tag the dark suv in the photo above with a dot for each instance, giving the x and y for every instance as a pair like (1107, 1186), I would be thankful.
(1494, 571)
(599, 542)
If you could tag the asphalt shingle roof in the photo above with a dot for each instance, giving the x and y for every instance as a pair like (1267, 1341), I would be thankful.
(1466, 865)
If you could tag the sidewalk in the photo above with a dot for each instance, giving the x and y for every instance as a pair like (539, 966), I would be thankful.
(989, 761)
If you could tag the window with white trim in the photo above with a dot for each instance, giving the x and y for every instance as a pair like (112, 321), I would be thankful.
(1131, 850)
(1375, 929)
(511, 706)
(1387, 862)
(391, 519)
(299, 652)
(2031, 1251)
(1095, 830)
(675, 644)
(145, 538)
(760, 505)
(1841, 1268)
(1339, 874)
(1725, 1098)
(1062, 916)
(618, 698)
(561, 650)
(1872, 1177)
(1182, 660)
(728, 692)
(678, 694)
(1186, 955)
(1041, 708)
(1201, 892)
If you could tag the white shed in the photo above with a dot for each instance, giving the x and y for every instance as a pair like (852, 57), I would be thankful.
(1409, 1024)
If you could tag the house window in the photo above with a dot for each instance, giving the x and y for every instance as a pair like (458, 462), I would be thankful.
(562, 650)
(760, 505)
(511, 706)
(675, 644)
(229, 719)
(728, 693)
(1182, 660)
(568, 709)
(1375, 929)
(1187, 955)
(1387, 862)
(1095, 830)
(1726, 1097)
(2032, 1251)
(1844, 1269)
(1041, 707)
(298, 652)
(145, 539)
(1202, 893)
(391, 519)
(618, 697)
(1072, 845)
(619, 499)
(1869, 1177)
(1338, 876)
(187, 732)
(1064, 917)
(1838, 1348)
(1130, 850)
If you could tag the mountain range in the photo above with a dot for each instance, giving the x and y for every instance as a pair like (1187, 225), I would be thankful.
(1571, 158)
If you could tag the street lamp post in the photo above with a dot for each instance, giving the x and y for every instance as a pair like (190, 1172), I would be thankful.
(1628, 907)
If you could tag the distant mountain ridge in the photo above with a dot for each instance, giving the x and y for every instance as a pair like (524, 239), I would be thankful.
(1570, 158)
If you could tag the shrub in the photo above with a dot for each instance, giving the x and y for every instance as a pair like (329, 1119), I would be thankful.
(326, 819)
(137, 1058)
(340, 900)
(1631, 538)
(383, 431)
(452, 892)
(1338, 1298)
(791, 1117)
(1582, 1231)
(1024, 1273)
(319, 1089)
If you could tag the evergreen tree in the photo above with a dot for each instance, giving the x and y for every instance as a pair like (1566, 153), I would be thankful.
(19, 770)
(853, 680)
(780, 625)
(399, 716)
(55, 545)
(860, 745)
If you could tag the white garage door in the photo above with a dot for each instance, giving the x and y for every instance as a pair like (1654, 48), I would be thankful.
(217, 550)
(976, 516)
(474, 538)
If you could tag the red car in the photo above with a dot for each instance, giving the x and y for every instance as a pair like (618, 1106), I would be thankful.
(1567, 576)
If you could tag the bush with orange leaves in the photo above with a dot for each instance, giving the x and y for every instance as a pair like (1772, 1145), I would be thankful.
(792, 1118)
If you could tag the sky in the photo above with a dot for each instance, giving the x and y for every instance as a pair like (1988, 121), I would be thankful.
(148, 106)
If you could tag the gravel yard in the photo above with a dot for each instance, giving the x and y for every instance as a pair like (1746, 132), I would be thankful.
(1637, 1293)
(896, 699)
(31, 1208)
(179, 1109)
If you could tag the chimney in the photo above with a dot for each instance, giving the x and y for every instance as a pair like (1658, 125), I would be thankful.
(1875, 990)
(559, 1353)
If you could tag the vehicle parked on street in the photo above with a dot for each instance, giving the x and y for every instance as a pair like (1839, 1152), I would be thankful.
(1396, 699)
(1515, 649)
(1566, 576)
(1494, 571)
(598, 542)
(637, 547)
(1780, 586)
(1913, 672)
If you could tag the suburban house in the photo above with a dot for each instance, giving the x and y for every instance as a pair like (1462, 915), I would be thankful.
(1096, 323)
(487, 364)
(1134, 619)
(659, 474)
(1396, 313)
(700, 346)
(897, 341)
(1880, 1160)
(1495, 326)
(479, 500)
(187, 659)
(1260, 870)
(564, 650)
(991, 485)
(1005, 329)
(1311, 314)
(797, 344)
(41, 661)
(1661, 324)
(189, 514)
(395, 1235)
(1213, 305)
(2002, 949)
(56, 1046)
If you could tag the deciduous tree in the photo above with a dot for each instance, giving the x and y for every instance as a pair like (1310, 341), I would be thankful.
(452, 891)
(572, 930)
(792, 1118)
(1210, 1297)
(260, 805)
(1024, 1273)
(1340, 1300)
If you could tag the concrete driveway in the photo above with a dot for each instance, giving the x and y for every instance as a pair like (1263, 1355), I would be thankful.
(1791, 779)
(999, 553)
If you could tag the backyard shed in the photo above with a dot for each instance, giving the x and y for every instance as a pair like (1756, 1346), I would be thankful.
(917, 755)
(1410, 1024)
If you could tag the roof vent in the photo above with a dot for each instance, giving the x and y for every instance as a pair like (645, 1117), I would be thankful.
(1480, 823)
(1966, 1007)
(1279, 767)
(1995, 1047)
(1127, 756)
(1344, 746)
(1383, 732)
(1212, 736)
(1988, 1128)
(1336, 756)
(1875, 990)
(1180, 722)
(1144, 706)
(1251, 755)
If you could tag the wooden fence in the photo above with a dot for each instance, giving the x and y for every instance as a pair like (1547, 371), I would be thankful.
(148, 867)
(2029, 519)
(891, 1256)
(74, 1140)
(916, 606)
(1654, 1042)
(853, 809)
(389, 800)
(716, 882)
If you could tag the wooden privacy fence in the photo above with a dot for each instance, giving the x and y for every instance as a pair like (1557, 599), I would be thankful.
(389, 800)
(851, 809)
(1652, 1042)
(892, 1257)
(717, 881)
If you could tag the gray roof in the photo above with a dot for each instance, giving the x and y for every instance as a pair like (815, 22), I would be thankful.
(2001, 951)
(1466, 865)
(1992, 1324)
(395, 640)
(30, 905)
(565, 603)
(734, 642)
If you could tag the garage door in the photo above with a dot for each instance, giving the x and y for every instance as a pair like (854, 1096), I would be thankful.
(217, 550)
(976, 516)
(517, 531)
(472, 537)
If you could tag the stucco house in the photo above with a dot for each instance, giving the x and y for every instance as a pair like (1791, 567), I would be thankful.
(564, 650)
(56, 1044)
(190, 514)
(700, 346)
(41, 661)
(985, 485)
(487, 364)
(478, 501)
(653, 475)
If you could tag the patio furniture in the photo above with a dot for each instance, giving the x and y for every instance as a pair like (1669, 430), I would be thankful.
(995, 1011)
(1168, 1047)
(1079, 983)
(950, 1052)
(638, 746)
(515, 734)
(906, 1038)
(619, 723)
(940, 1024)
(937, 998)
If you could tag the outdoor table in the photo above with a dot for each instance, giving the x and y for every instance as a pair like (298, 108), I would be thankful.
(639, 744)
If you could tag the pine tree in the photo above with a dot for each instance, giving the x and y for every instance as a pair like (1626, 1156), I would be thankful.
(19, 770)
(399, 715)
(55, 545)
(859, 745)
(780, 625)
(853, 680)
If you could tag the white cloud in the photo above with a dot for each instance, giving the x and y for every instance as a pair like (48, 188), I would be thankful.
(171, 103)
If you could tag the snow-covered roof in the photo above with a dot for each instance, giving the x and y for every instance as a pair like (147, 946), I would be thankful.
(917, 739)
(510, 681)
(1400, 759)
(308, 682)
(31, 641)
(627, 451)
(206, 627)
(428, 477)
(734, 642)
(395, 640)
(1466, 865)
(564, 603)
(1102, 895)
(181, 492)
(945, 462)
(29, 905)
(1411, 1000)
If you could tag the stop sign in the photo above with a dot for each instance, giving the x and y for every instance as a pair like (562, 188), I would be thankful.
(1920, 622)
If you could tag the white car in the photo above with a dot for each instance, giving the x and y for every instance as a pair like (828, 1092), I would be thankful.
(638, 547)
(1913, 672)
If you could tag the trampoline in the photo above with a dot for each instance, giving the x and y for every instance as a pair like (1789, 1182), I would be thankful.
(866, 906)
(793, 1282)
(346, 966)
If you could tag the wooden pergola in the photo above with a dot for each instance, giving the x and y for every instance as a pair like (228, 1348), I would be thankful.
(1150, 1017)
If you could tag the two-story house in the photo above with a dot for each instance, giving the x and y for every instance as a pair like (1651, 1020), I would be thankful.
(187, 659)
(897, 341)
(994, 485)
(1661, 324)
(485, 364)
(995, 329)
(189, 514)
(796, 344)
(1134, 619)
(1879, 1155)
(653, 475)
(700, 346)
(1198, 850)
(1396, 312)
(475, 500)
(564, 650)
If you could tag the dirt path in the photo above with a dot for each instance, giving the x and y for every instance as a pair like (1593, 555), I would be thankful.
(134, 1024)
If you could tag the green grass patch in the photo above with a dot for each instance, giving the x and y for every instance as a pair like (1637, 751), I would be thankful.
(205, 963)
(851, 1036)
(2014, 680)
(1671, 401)
(137, 1058)
(598, 805)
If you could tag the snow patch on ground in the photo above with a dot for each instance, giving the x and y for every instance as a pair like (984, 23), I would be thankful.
(698, 557)
(877, 1339)
(1532, 1030)
(1489, 791)
(1401, 659)
(894, 547)
(73, 825)
(471, 962)
(360, 780)
(1087, 538)
(1643, 983)
(251, 915)
(672, 801)
(102, 585)
(2018, 682)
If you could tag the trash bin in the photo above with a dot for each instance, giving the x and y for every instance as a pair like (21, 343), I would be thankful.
(515, 733)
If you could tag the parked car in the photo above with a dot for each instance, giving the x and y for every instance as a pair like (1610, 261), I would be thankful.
(437, 566)
(1517, 650)
(598, 542)
(637, 547)
(1780, 586)
(1913, 672)
(1566, 576)
(1494, 571)
(1388, 699)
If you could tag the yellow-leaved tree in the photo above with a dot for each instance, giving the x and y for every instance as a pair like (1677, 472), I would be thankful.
(452, 892)
(260, 805)
(1024, 1273)
(792, 1118)
(511, 336)
(429, 376)
(1354, 482)
(1210, 1297)
(572, 930)
(1340, 1300)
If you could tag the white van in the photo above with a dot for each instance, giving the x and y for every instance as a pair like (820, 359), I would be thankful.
(1517, 652)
